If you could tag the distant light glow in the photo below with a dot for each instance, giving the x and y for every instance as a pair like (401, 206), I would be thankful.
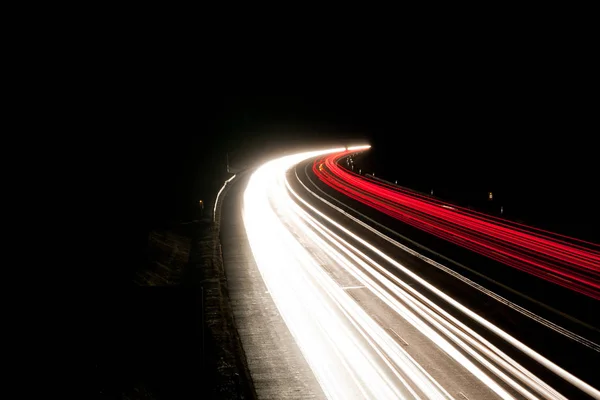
(362, 147)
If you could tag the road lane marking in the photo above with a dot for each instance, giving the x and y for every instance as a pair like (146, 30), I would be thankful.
(399, 337)
(453, 329)
(586, 342)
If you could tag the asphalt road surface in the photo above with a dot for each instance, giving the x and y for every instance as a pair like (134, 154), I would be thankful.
(334, 298)
(278, 369)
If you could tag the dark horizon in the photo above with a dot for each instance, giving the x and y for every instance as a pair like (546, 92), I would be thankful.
(171, 143)
(543, 150)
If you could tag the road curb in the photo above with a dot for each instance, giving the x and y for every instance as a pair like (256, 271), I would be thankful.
(235, 379)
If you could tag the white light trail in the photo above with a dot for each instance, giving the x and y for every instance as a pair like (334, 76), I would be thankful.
(573, 336)
(353, 148)
(351, 355)
(585, 387)
(423, 315)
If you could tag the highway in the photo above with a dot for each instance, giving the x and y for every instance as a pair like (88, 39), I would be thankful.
(565, 261)
(380, 308)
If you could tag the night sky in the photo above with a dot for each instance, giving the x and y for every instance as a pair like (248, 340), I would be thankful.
(163, 123)
(524, 132)
(535, 148)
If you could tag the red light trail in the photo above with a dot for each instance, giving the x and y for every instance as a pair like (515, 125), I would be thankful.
(566, 261)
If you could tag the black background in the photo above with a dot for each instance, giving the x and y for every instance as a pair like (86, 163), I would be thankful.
(534, 147)
(163, 116)
(532, 144)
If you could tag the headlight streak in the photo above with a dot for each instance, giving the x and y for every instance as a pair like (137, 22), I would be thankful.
(342, 368)
(337, 337)
(382, 339)
(357, 148)
(536, 356)
(435, 320)
(374, 333)
(586, 342)
(368, 330)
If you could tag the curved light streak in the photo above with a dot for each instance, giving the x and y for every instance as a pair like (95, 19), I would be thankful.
(549, 324)
(351, 355)
(565, 261)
